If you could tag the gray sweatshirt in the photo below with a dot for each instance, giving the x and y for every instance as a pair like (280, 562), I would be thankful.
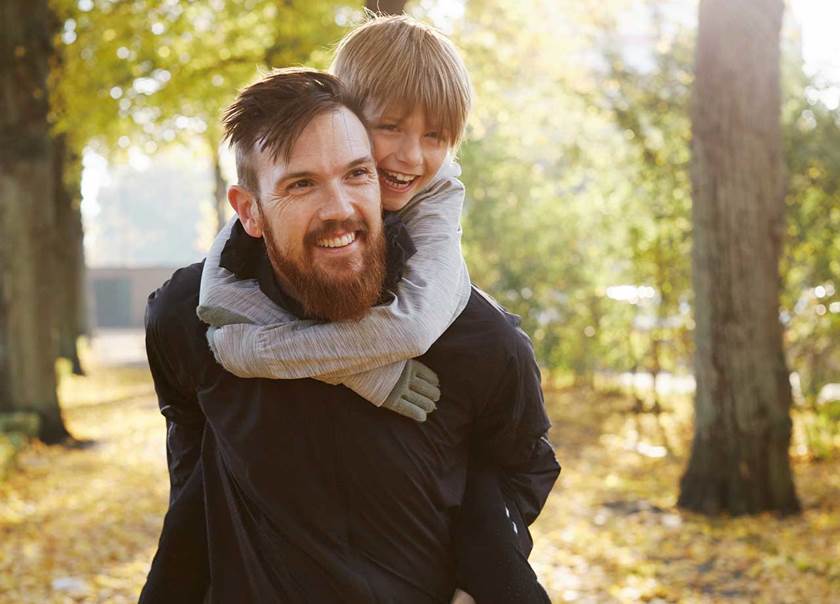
(256, 338)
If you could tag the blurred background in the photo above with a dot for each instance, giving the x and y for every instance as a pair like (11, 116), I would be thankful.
(578, 171)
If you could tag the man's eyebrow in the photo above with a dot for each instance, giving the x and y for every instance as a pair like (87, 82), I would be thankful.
(367, 159)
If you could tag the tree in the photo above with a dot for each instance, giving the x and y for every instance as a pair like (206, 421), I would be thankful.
(27, 218)
(739, 460)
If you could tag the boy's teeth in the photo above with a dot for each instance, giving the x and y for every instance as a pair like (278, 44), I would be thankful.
(399, 176)
(338, 241)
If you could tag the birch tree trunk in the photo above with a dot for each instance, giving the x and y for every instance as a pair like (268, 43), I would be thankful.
(739, 460)
(27, 218)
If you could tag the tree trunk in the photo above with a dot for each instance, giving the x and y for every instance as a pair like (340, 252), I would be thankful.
(212, 136)
(69, 252)
(386, 7)
(27, 217)
(220, 191)
(739, 459)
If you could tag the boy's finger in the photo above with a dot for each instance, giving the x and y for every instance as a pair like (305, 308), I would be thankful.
(424, 388)
(427, 374)
(420, 401)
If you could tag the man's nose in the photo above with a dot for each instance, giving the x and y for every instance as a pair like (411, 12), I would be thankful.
(410, 151)
(338, 203)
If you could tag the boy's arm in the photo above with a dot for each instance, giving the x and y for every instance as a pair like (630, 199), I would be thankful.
(432, 292)
(224, 299)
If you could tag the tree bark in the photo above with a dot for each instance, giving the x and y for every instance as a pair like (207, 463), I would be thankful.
(386, 7)
(219, 191)
(69, 252)
(27, 217)
(739, 460)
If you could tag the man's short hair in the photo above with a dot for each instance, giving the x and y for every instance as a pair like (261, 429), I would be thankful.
(397, 61)
(271, 114)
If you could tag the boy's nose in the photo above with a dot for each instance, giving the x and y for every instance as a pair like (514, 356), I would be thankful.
(410, 151)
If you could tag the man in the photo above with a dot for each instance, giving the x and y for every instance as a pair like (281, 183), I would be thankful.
(299, 491)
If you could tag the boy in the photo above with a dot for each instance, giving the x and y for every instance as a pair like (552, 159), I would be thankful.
(418, 180)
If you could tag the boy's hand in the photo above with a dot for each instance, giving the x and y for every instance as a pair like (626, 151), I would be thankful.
(415, 393)
(462, 597)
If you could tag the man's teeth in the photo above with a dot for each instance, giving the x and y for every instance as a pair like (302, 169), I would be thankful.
(338, 241)
(399, 176)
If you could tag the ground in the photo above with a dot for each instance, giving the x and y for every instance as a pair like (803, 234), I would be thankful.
(82, 525)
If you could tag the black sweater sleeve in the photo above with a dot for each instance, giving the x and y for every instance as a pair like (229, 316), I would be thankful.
(512, 471)
(180, 568)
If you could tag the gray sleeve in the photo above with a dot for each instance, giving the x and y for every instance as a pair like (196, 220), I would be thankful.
(224, 299)
(433, 291)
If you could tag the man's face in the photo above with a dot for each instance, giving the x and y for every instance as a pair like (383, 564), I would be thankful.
(321, 218)
(408, 152)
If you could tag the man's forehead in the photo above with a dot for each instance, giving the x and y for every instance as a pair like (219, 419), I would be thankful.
(331, 141)
(336, 132)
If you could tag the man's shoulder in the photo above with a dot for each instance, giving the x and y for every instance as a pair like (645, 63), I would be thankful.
(173, 304)
(492, 326)
(488, 356)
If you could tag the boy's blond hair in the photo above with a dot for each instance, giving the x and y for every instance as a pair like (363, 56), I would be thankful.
(394, 61)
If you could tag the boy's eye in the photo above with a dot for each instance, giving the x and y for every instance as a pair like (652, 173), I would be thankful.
(387, 127)
(439, 136)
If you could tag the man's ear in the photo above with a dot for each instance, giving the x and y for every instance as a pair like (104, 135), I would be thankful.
(244, 203)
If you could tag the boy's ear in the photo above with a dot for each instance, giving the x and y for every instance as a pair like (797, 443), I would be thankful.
(244, 203)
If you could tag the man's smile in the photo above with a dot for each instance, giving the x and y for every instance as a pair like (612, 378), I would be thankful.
(337, 241)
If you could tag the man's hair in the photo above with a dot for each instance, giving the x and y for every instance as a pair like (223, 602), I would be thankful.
(397, 61)
(271, 114)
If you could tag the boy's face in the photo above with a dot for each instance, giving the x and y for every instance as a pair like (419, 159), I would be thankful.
(408, 153)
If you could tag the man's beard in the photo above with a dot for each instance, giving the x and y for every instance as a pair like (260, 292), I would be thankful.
(326, 296)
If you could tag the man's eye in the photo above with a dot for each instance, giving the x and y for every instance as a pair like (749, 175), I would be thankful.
(360, 172)
(300, 184)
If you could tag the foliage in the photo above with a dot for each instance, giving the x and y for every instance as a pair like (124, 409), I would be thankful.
(148, 73)
(811, 264)
(576, 181)
(575, 165)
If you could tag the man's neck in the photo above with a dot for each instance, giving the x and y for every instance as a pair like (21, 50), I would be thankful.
(246, 257)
